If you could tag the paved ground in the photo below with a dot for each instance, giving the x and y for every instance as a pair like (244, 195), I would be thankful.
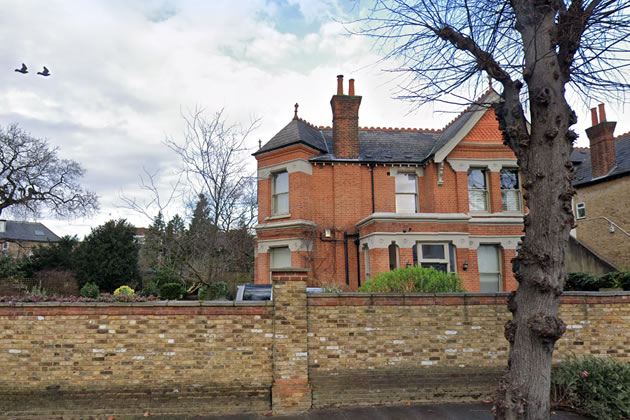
(413, 412)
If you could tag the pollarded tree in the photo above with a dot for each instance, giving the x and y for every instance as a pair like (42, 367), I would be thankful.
(534, 49)
(33, 177)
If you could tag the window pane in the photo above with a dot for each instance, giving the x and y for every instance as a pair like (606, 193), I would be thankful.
(406, 183)
(477, 201)
(281, 203)
(433, 252)
(489, 283)
(476, 179)
(280, 257)
(393, 257)
(509, 179)
(281, 183)
(511, 200)
(437, 266)
(488, 259)
(405, 203)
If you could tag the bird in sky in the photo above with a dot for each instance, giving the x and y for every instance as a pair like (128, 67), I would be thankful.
(23, 70)
(45, 72)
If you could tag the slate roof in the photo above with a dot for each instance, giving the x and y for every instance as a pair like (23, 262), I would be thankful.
(376, 145)
(28, 231)
(581, 159)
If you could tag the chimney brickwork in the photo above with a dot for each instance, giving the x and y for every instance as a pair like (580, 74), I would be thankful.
(602, 143)
(345, 109)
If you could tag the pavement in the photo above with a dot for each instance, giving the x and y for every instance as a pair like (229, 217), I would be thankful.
(478, 411)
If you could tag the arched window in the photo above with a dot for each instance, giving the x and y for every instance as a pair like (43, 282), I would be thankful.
(394, 261)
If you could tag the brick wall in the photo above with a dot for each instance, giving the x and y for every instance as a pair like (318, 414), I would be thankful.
(298, 352)
(608, 199)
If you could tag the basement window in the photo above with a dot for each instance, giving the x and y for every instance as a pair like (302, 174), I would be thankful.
(580, 210)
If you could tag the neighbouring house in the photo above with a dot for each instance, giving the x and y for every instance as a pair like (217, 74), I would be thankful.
(602, 201)
(347, 202)
(18, 239)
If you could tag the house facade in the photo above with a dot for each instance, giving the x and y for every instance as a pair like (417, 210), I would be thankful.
(18, 239)
(347, 202)
(602, 201)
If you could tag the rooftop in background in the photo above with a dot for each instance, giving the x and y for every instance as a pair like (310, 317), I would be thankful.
(26, 231)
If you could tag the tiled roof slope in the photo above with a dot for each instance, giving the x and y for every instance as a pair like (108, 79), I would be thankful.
(28, 231)
(581, 159)
(378, 145)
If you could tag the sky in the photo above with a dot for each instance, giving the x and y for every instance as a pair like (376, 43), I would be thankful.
(124, 71)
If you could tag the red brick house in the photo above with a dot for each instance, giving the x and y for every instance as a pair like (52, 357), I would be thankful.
(347, 202)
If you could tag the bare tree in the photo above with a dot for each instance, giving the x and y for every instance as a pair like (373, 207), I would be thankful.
(213, 155)
(154, 204)
(535, 49)
(33, 177)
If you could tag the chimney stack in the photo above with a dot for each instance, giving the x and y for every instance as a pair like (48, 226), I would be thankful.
(345, 109)
(602, 142)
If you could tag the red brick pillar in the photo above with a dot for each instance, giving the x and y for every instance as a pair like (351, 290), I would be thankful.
(496, 204)
(462, 191)
(291, 392)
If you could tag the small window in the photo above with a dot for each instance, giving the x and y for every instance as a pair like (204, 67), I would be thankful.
(280, 257)
(406, 193)
(510, 190)
(489, 268)
(39, 233)
(580, 210)
(477, 190)
(280, 193)
(393, 256)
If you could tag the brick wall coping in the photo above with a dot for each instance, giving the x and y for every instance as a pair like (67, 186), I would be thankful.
(367, 299)
(289, 270)
(159, 303)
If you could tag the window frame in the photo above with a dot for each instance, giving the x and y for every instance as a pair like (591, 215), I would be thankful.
(486, 191)
(406, 193)
(517, 190)
(271, 257)
(580, 206)
(446, 246)
(275, 194)
(498, 252)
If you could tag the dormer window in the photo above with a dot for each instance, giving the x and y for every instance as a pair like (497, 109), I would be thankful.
(280, 193)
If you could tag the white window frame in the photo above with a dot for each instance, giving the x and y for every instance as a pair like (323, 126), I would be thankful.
(518, 190)
(580, 208)
(485, 191)
(499, 263)
(274, 194)
(271, 257)
(445, 260)
(414, 193)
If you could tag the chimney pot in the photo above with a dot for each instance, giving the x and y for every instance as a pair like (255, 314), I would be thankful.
(340, 84)
(594, 120)
(351, 87)
(602, 113)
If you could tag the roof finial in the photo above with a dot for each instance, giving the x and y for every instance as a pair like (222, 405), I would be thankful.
(259, 143)
(295, 117)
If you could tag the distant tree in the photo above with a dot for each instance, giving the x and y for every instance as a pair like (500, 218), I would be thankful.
(108, 256)
(54, 255)
(534, 50)
(33, 177)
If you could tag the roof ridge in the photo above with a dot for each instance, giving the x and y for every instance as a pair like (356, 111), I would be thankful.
(622, 135)
(410, 129)
(581, 148)
(306, 122)
(475, 102)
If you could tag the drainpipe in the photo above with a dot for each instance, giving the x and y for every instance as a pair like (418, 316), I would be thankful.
(372, 175)
(356, 242)
(347, 235)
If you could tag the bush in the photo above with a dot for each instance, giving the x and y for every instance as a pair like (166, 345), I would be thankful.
(216, 290)
(89, 290)
(151, 288)
(600, 388)
(583, 282)
(616, 279)
(171, 291)
(414, 279)
(125, 291)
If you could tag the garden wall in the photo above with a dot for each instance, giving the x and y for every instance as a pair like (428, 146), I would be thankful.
(287, 356)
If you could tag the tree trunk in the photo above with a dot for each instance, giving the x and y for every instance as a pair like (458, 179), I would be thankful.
(543, 158)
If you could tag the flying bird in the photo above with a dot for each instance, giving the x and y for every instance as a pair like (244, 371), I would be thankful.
(45, 72)
(23, 70)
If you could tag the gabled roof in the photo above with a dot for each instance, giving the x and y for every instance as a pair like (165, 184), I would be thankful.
(385, 145)
(581, 159)
(28, 231)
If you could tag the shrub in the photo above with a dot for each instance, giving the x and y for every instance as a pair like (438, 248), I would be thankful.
(216, 290)
(598, 387)
(413, 279)
(581, 282)
(151, 288)
(171, 291)
(89, 290)
(124, 290)
(58, 281)
(203, 293)
(616, 279)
